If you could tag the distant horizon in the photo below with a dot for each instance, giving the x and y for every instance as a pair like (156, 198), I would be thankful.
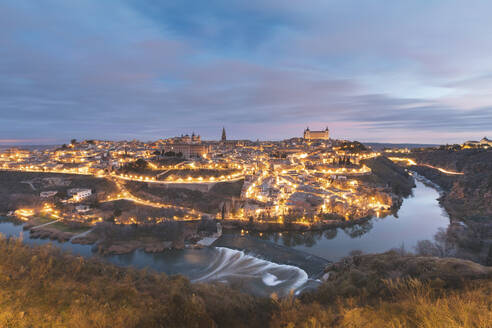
(3, 145)
(230, 136)
(30, 142)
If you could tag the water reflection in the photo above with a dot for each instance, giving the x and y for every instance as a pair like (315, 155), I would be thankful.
(470, 241)
(310, 238)
(330, 233)
(357, 230)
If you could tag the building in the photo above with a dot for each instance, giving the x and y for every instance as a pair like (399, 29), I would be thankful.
(316, 135)
(82, 208)
(47, 194)
(186, 145)
(223, 139)
(188, 150)
(79, 193)
(486, 141)
(183, 139)
(230, 144)
(196, 138)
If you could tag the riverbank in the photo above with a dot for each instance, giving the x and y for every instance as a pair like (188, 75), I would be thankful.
(466, 197)
(365, 291)
(112, 239)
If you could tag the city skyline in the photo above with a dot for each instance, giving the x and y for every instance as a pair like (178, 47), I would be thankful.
(375, 72)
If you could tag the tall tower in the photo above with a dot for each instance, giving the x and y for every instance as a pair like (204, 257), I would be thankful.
(223, 135)
(307, 133)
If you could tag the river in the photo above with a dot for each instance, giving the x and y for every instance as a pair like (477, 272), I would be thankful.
(419, 218)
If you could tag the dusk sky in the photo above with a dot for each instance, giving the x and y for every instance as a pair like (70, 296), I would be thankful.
(389, 71)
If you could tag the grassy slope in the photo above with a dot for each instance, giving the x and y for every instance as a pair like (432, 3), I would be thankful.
(386, 173)
(468, 196)
(42, 287)
(203, 201)
(14, 194)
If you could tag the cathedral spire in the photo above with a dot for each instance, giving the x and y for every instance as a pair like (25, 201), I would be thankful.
(223, 134)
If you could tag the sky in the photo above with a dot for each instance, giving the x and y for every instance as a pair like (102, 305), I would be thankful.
(398, 71)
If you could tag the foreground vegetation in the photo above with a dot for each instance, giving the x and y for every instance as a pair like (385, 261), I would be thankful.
(43, 287)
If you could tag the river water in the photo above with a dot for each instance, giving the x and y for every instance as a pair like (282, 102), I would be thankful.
(419, 218)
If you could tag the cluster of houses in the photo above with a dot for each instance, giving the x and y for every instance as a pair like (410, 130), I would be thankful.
(484, 142)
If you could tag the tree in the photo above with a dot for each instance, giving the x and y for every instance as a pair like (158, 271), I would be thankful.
(141, 163)
(73, 141)
(441, 247)
(110, 219)
(117, 212)
(223, 212)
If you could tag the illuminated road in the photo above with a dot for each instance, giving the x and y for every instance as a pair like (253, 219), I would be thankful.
(442, 170)
(411, 162)
(187, 180)
(124, 194)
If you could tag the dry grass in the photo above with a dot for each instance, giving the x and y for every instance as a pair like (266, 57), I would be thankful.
(414, 304)
(43, 287)
(417, 304)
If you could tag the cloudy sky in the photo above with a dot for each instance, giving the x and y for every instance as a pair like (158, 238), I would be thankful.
(394, 71)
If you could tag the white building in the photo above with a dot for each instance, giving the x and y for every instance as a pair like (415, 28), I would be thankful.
(79, 193)
(47, 194)
(82, 208)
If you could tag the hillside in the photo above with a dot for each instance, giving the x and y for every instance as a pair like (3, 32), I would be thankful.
(43, 287)
(387, 174)
(23, 188)
(466, 198)
(469, 196)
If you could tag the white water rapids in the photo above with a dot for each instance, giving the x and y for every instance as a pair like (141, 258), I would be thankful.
(265, 277)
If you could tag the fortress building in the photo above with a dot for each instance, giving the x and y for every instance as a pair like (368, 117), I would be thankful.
(316, 135)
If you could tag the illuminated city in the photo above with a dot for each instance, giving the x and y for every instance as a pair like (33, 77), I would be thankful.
(237, 164)
(300, 179)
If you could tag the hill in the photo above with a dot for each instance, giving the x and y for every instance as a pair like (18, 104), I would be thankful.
(43, 287)
(467, 198)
